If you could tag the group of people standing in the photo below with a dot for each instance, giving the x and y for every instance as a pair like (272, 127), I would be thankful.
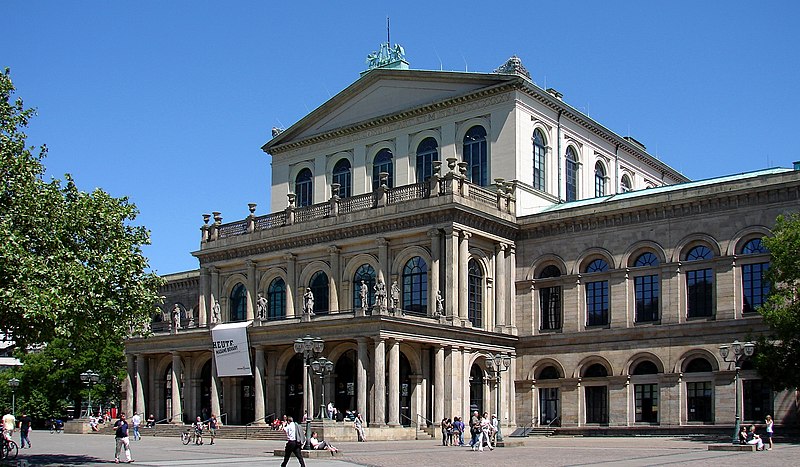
(483, 431)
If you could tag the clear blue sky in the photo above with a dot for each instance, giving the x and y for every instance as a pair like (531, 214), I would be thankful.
(168, 102)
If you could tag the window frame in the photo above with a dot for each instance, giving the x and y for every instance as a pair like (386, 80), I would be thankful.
(539, 160)
(425, 156)
(475, 152)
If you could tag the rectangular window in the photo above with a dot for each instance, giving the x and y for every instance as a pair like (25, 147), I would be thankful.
(699, 293)
(548, 405)
(757, 400)
(699, 402)
(754, 286)
(596, 404)
(550, 304)
(597, 303)
(646, 298)
(538, 167)
(646, 396)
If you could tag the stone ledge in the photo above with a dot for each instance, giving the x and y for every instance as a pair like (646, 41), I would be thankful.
(310, 454)
(732, 447)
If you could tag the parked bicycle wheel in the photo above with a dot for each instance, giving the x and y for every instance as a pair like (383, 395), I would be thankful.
(11, 450)
(185, 438)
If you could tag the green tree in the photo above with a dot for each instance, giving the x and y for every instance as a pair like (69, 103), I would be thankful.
(71, 263)
(778, 355)
(73, 279)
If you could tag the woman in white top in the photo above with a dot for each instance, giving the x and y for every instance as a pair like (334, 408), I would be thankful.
(770, 432)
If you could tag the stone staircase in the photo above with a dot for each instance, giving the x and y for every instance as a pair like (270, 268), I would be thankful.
(533, 431)
(166, 430)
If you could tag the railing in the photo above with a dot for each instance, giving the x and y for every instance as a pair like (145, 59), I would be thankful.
(446, 186)
(411, 422)
(163, 421)
(264, 418)
(557, 419)
(428, 422)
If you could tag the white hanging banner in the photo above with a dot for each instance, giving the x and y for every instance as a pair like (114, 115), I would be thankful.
(231, 350)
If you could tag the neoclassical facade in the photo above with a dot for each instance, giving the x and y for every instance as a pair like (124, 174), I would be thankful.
(500, 221)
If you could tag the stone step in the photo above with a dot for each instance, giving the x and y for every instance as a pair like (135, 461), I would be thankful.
(225, 432)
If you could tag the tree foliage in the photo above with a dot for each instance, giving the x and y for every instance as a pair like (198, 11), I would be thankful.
(71, 263)
(778, 356)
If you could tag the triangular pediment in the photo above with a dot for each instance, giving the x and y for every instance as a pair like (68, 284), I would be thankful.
(381, 93)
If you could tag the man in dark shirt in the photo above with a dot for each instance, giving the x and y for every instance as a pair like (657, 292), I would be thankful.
(24, 429)
(121, 439)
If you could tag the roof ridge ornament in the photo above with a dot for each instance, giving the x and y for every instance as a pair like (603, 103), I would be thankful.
(387, 57)
(513, 66)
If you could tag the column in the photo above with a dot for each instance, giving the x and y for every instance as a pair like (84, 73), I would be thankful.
(361, 376)
(176, 389)
(434, 274)
(205, 297)
(383, 260)
(512, 274)
(450, 292)
(188, 389)
(379, 370)
(155, 388)
(291, 261)
(463, 260)
(500, 288)
(252, 292)
(438, 384)
(214, 285)
(141, 370)
(215, 406)
(129, 384)
(394, 382)
(280, 389)
(334, 280)
(258, 379)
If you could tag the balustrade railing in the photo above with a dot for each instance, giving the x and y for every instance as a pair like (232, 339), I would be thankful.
(356, 203)
(482, 195)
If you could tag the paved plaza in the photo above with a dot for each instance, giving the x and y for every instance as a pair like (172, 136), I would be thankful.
(71, 450)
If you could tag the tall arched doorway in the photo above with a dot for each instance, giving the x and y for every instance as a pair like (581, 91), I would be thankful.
(345, 394)
(248, 398)
(476, 382)
(205, 391)
(405, 390)
(294, 387)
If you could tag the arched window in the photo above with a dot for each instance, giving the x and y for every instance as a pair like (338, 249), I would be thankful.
(755, 286)
(596, 370)
(699, 394)
(319, 287)
(698, 365)
(276, 299)
(572, 174)
(415, 285)
(475, 293)
(645, 367)
(343, 176)
(599, 179)
(699, 284)
(549, 372)
(476, 156)
(427, 152)
(550, 300)
(238, 309)
(303, 188)
(539, 154)
(625, 184)
(645, 393)
(596, 397)
(383, 162)
(647, 289)
(365, 273)
(597, 295)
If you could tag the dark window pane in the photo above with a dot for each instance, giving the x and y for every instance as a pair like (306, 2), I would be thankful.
(276, 299)
(476, 156)
(343, 176)
(238, 307)
(303, 188)
(383, 162)
(572, 175)
(475, 293)
(427, 152)
(647, 292)
(319, 287)
(539, 154)
(415, 285)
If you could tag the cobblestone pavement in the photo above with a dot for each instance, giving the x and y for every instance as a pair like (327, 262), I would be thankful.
(74, 450)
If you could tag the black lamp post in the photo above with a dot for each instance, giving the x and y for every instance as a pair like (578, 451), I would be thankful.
(740, 353)
(89, 378)
(308, 347)
(322, 366)
(497, 364)
(13, 383)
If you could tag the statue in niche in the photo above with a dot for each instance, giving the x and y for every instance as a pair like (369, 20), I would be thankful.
(215, 316)
(380, 295)
(308, 302)
(190, 317)
(176, 318)
(439, 303)
(363, 294)
(261, 306)
(395, 295)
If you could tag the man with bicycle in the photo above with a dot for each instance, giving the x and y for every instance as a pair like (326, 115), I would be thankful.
(198, 431)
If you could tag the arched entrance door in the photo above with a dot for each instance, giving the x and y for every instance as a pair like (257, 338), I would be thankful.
(294, 387)
(405, 391)
(248, 395)
(205, 391)
(345, 397)
(476, 382)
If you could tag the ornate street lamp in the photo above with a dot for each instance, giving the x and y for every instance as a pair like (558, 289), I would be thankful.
(497, 364)
(740, 353)
(13, 383)
(89, 378)
(322, 366)
(308, 347)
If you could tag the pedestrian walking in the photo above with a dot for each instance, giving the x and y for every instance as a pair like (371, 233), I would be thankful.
(295, 439)
(121, 439)
(24, 429)
(213, 425)
(136, 420)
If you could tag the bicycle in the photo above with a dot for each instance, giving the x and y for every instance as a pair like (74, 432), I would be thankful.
(10, 449)
(186, 437)
(56, 426)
